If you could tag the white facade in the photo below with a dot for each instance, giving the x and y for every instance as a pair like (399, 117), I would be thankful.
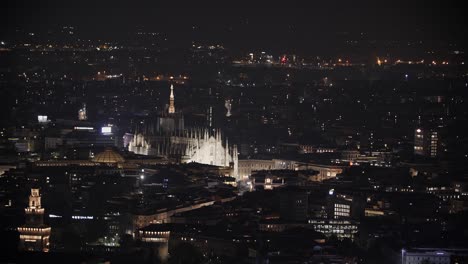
(169, 137)
(192, 145)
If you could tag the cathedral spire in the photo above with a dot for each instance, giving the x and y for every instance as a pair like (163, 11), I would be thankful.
(171, 101)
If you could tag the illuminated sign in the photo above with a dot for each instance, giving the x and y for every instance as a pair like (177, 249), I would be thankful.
(106, 130)
(42, 118)
(79, 217)
(83, 128)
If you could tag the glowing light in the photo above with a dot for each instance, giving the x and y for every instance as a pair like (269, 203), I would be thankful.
(55, 216)
(79, 217)
(83, 128)
(283, 59)
(106, 130)
(42, 118)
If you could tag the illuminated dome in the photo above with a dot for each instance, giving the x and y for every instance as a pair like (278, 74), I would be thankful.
(108, 156)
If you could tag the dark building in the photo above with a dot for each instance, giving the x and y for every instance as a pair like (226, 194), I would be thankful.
(294, 204)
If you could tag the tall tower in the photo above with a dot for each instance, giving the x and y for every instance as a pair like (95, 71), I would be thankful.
(171, 101)
(228, 105)
(34, 234)
(82, 115)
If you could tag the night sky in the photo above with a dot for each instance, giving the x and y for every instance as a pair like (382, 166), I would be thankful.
(237, 21)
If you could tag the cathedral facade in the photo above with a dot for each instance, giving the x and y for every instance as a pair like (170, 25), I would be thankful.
(167, 136)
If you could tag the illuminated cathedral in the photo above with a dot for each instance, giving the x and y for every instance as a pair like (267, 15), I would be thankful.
(167, 136)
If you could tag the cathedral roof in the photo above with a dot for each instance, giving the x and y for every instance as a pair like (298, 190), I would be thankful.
(108, 156)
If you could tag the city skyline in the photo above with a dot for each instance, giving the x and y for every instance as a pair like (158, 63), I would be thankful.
(162, 132)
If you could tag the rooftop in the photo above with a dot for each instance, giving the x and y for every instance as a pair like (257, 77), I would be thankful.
(108, 156)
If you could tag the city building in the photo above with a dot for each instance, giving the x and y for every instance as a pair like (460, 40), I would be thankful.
(339, 228)
(248, 166)
(426, 142)
(34, 234)
(168, 137)
(294, 204)
(156, 235)
(433, 255)
(345, 206)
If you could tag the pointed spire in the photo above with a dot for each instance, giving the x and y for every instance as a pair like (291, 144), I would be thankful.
(226, 155)
(171, 101)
